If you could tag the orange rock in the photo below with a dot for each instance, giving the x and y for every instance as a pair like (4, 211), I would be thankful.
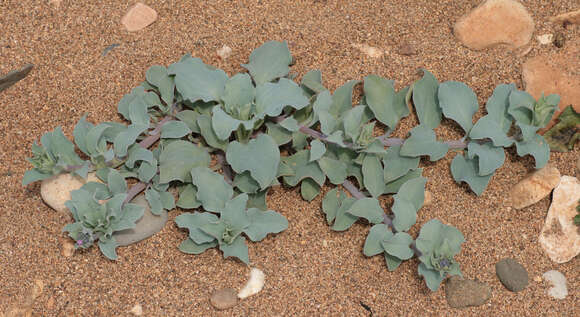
(495, 22)
(560, 237)
(534, 187)
(138, 17)
(555, 74)
(572, 17)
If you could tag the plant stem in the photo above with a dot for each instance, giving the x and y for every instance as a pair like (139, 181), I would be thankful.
(134, 191)
(154, 135)
(353, 190)
(228, 174)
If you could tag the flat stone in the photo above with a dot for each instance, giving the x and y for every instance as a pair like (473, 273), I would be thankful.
(535, 186)
(512, 274)
(559, 290)
(137, 310)
(572, 17)
(461, 293)
(495, 22)
(147, 226)
(224, 298)
(370, 51)
(407, 49)
(428, 198)
(55, 191)
(560, 237)
(555, 73)
(545, 39)
(14, 76)
(138, 17)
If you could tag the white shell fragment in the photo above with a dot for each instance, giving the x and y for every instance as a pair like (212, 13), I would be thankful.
(558, 280)
(254, 285)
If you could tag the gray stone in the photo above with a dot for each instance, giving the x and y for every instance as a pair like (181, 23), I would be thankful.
(14, 76)
(224, 298)
(147, 226)
(462, 293)
(512, 274)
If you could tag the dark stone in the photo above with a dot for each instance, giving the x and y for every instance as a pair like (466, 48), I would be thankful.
(512, 274)
(14, 76)
(224, 298)
(462, 293)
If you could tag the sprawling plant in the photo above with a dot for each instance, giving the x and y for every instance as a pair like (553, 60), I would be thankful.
(189, 121)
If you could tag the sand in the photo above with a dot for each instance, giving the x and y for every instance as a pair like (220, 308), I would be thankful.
(310, 270)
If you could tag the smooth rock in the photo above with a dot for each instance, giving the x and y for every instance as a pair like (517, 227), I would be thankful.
(545, 39)
(137, 310)
(428, 198)
(370, 51)
(512, 274)
(534, 186)
(67, 247)
(224, 52)
(572, 17)
(138, 17)
(14, 76)
(55, 191)
(559, 290)
(560, 237)
(495, 22)
(254, 285)
(464, 293)
(555, 73)
(224, 298)
(147, 226)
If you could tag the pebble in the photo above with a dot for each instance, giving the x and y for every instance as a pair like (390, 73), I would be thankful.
(67, 247)
(369, 50)
(224, 298)
(572, 17)
(428, 198)
(254, 284)
(545, 39)
(461, 293)
(534, 186)
(495, 22)
(147, 226)
(14, 76)
(224, 52)
(407, 49)
(559, 290)
(560, 237)
(512, 274)
(55, 191)
(138, 17)
(555, 73)
(137, 310)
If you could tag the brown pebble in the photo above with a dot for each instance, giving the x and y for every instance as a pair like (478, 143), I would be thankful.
(50, 303)
(138, 17)
(407, 49)
(67, 248)
(559, 40)
(137, 310)
(224, 298)
(428, 198)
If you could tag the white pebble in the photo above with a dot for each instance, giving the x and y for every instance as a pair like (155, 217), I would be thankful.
(254, 285)
(558, 280)
(224, 52)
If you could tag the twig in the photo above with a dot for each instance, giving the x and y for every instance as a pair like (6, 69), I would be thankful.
(154, 135)
(353, 190)
(134, 191)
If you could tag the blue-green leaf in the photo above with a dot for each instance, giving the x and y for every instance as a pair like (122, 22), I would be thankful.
(367, 208)
(178, 158)
(378, 233)
(147, 170)
(407, 202)
(239, 91)
(188, 197)
(309, 189)
(271, 98)
(397, 165)
(137, 153)
(212, 190)
(394, 186)
(223, 124)
(80, 133)
(521, 106)
(234, 213)
(313, 81)
(497, 122)
(432, 278)
(489, 157)
(205, 126)
(127, 137)
(458, 103)
(190, 247)
(193, 222)
(426, 101)
(343, 219)
(467, 170)
(342, 99)
(174, 130)
(154, 201)
(245, 183)
(259, 156)
(302, 169)
(189, 117)
(116, 182)
(538, 148)
(264, 222)
(423, 142)
(372, 171)
(331, 203)
(107, 247)
(381, 99)
(196, 81)
(157, 76)
(353, 120)
(317, 150)
(269, 61)
(237, 249)
(399, 245)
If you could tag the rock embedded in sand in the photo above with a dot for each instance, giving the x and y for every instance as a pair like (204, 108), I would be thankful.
(572, 17)
(55, 191)
(555, 74)
(512, 274)
(224, 52)
(461, 293)
(495, 22)
(138, 17)
(560, 237)
(534, 187)
(224, 298)
(545, 39)
(137, 310)
(559, 290)
(147, 226)
(370, 51)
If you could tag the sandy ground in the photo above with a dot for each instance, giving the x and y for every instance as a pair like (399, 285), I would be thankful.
(303, 277)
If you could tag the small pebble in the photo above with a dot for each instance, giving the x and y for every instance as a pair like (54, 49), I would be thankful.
(224, 52)
(428, 198)
(512, 274)
(138, 17)
(67, 248)
(407, 49)
(558, 281)
(461, 293)
(254, 284)
(545, 38)
(137, 310)
(224, 298)
(369, 50)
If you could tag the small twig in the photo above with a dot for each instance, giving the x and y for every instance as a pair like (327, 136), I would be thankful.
(228, 174)
(353, 190)
(154, 135)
